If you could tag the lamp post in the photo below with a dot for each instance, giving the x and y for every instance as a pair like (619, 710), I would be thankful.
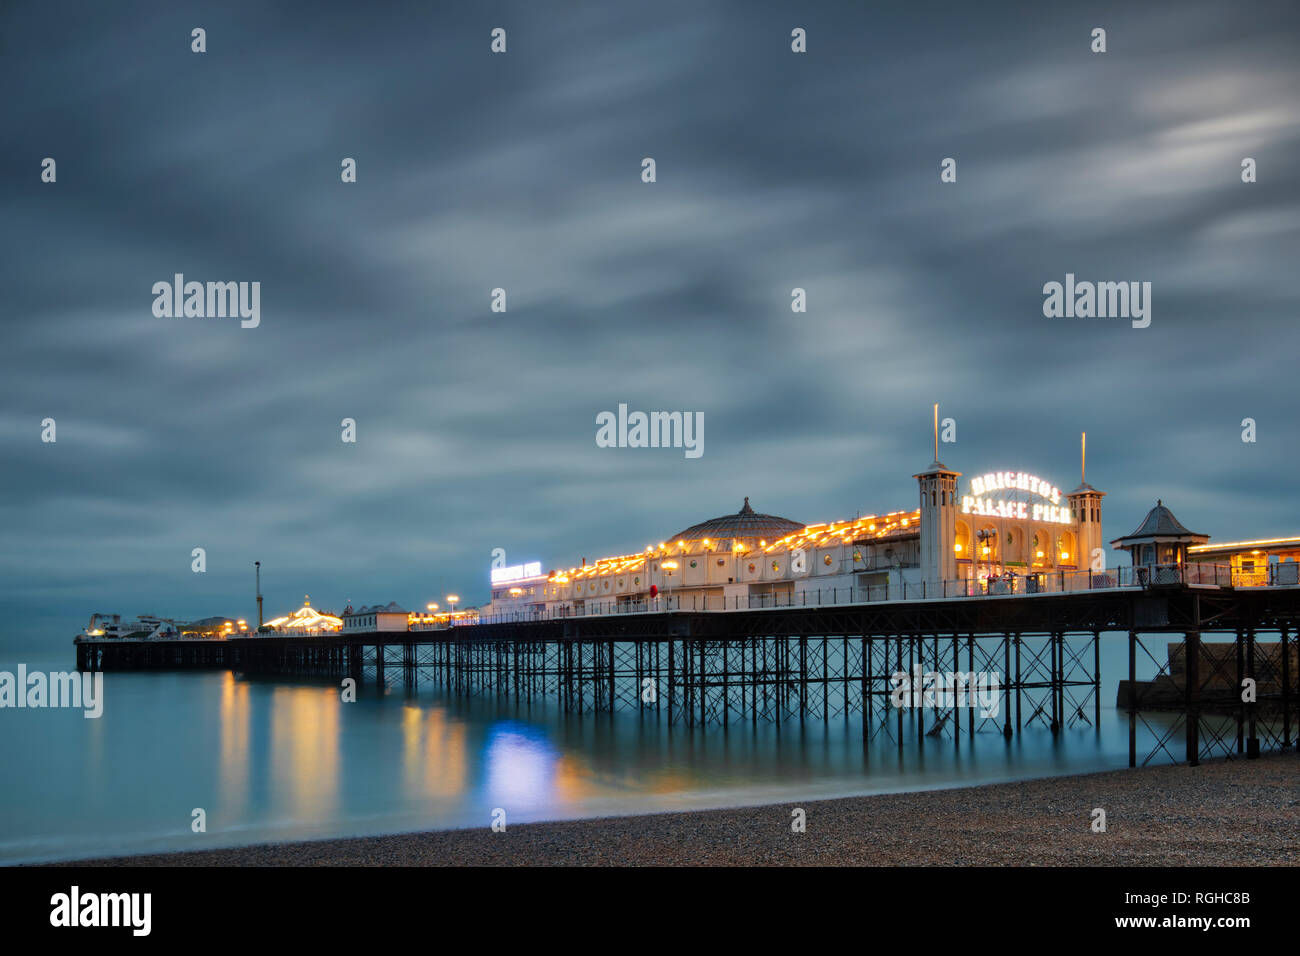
(669, 567)
(984, 536)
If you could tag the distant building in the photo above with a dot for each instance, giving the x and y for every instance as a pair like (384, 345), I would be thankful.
(380, 617)
(215, 627)
(305, 621)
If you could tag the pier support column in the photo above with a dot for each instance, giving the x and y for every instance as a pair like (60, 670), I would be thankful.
(970, 667)
(1006, 666)
(866, 690)
(1132, 698)
(672, 676)
(956, 711)
(1057, 653)
(613, 700)
(1192, 690)
(1286, 690)
(1241, 704)
(1252, 741)
(1096, 681)
(900, 709)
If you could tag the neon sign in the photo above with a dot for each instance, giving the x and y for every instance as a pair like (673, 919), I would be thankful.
(1014, 481)
(982, 501)
(516, 572)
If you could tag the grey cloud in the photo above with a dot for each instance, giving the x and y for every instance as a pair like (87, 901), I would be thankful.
(476, 429)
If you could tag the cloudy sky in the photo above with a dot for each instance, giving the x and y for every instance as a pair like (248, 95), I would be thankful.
(522, 171)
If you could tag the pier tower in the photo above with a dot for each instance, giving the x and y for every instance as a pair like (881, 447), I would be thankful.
(938, 485)
(1085, 508)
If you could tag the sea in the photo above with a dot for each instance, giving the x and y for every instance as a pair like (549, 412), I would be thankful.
(197, 760)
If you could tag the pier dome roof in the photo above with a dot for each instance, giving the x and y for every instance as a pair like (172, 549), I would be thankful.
(744, 525)
(1160, 524)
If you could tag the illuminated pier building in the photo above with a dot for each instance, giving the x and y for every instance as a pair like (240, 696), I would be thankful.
(999, 532)
(1253, 563)
(305, 620)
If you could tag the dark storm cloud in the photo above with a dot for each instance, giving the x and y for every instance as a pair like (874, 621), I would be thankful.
(522, 171)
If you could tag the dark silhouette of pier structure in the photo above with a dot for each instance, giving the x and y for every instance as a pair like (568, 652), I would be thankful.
(837, 662)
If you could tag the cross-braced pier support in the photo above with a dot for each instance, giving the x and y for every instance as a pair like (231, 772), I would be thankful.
(901, 671)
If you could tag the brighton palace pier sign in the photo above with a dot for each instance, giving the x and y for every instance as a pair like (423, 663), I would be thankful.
(985, 500)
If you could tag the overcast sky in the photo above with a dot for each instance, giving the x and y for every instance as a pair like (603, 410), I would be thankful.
(775, 170)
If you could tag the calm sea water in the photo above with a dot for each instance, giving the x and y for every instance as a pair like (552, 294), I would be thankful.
(280, 761)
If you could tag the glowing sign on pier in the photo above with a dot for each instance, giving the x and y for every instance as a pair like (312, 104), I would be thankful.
(982, 501)
(517, 572)
(1014, 481)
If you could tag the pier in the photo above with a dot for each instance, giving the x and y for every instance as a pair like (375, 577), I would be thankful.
(838, 661)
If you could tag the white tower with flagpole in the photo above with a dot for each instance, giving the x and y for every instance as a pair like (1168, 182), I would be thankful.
(1085, 508)
(938, 486)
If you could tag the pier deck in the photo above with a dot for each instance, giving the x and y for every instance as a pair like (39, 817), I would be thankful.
(832, 661)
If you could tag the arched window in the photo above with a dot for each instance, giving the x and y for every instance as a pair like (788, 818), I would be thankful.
(961, 546)
(1065, 549)
(988, 548)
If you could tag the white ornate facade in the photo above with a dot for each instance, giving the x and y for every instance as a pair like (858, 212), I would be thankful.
(996, 526)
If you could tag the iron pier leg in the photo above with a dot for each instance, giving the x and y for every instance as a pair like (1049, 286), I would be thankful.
(1055, 682)
(704, 692)
(866, 695)
(671, 675)
(1193, 698)
(900, 709)
(1241, 704)
(970, 667)
(1006, 663)
(1252, 741)
(956, 711)
(1132, 698)
(1286, 689)
(1096, 681)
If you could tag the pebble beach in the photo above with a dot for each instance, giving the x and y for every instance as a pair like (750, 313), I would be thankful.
(1222, 813)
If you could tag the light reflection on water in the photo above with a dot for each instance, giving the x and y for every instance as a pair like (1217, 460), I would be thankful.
(271, 760)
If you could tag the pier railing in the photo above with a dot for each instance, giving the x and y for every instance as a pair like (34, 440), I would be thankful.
(1003, 585)
(805, 594)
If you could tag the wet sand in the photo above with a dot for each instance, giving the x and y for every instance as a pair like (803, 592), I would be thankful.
(1222, 813)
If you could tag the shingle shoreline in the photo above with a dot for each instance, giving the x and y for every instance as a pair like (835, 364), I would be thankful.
(1222, 813)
